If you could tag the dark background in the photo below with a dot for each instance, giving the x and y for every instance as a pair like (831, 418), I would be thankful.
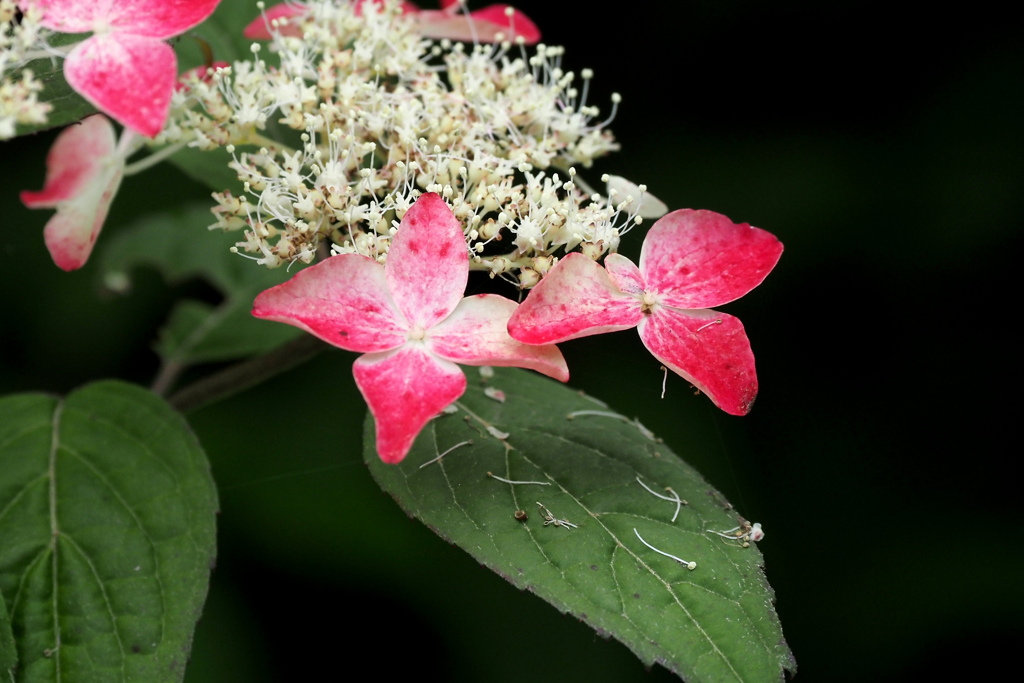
(885, 150)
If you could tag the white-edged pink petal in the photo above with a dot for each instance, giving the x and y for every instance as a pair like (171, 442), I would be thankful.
(428, 264)
(76, 158)
(82, 177)
(624, 274)
(476, 334)
(130, 78)
(708, 349)
(343, 300)
(700, 259)
(575, 299)
(404, 389)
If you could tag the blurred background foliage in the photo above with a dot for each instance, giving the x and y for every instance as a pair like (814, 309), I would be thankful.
(883, 147)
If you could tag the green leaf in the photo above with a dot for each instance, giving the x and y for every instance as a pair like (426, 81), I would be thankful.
(107, 515)
(208, 167)
(223, 30)
(179, 246)
(68, 105)
(8, 653)
(715, 623)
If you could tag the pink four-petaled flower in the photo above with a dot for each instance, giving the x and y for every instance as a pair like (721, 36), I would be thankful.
(83, 172)
(690, 261)
(410, 321)
(483, 25)
(125, 69)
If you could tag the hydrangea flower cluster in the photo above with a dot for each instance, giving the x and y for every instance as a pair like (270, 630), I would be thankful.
(384, 115)
(410, 160)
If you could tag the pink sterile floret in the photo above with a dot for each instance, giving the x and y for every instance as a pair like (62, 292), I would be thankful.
(483, 25)
(690, 261)
(83, 173)
(125, 69)
(410, 321)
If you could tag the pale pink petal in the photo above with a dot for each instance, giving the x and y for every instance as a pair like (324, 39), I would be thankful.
(82, 177)
(700, 259)
(428, 264)
(286, 14)
(404, 389)
(476, 334)
(576, 299)
(75, 159)
(71, 233)
(130, 78)
(624, 274)
(154, 18)
(343, 300)
(708, 349)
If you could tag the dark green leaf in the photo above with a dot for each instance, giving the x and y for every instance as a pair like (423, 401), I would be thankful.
(68, 105)
(715, 623)
(179, 245)
(107, 515)
(223, 30)
(8, 653)
(208, 167)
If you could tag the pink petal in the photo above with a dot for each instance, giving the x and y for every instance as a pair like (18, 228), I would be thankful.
(713, 356)
(476, 334)
(259, 29)
(576, 299)
(82, 177)
(698, 259)
(343, 300)
(482, 26)
(153, 18)
(130, 78)
(624, 274)
(404, 390)
(68, 16)
(517, 25)
(159, 18)
(75, 160)
(407, 7)
(428, 264)
(201, 73)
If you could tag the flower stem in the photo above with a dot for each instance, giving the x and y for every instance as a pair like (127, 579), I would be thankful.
(251, 372)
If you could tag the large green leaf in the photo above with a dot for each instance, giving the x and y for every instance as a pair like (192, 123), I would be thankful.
(8, 653)
(107, 526)
(179, 246)
(714, 623)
